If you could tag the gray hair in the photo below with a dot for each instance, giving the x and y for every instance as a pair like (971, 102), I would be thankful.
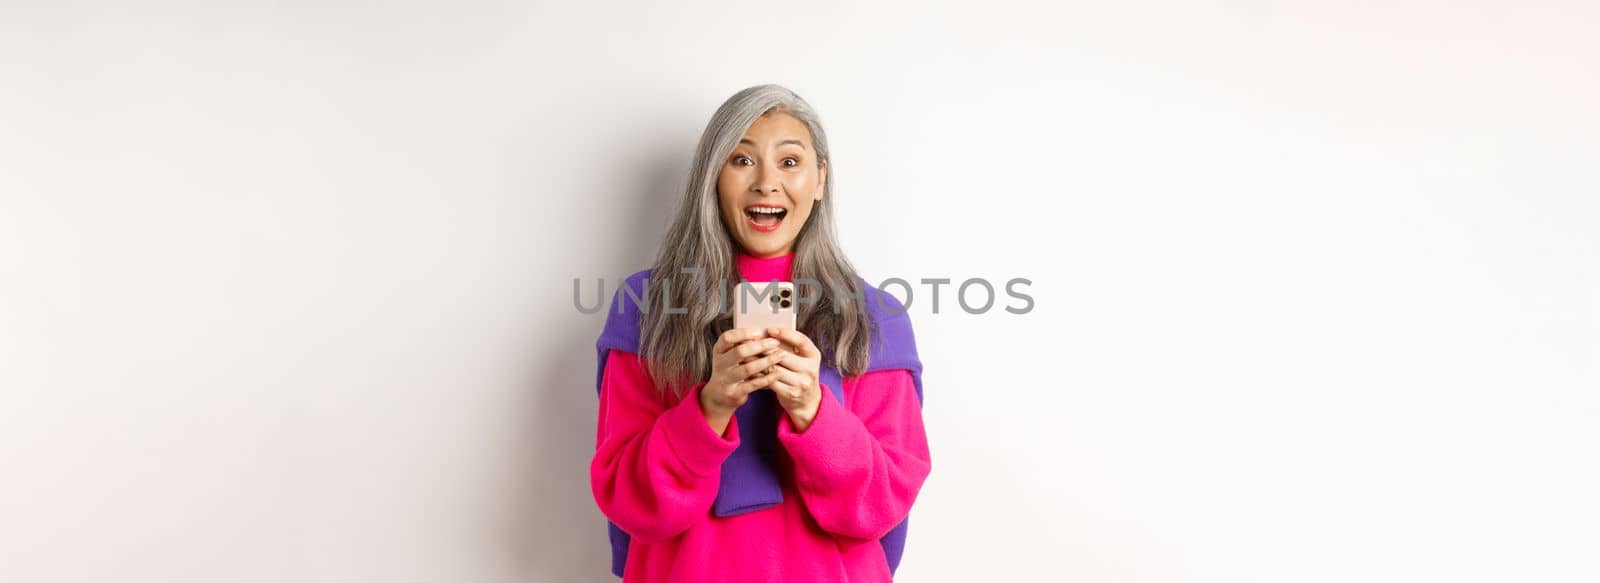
(677, 346)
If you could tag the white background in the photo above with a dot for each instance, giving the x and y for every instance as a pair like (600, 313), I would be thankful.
(286, 287)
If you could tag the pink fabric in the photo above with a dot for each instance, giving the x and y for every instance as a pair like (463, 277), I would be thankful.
(847, 479)
(763, 270)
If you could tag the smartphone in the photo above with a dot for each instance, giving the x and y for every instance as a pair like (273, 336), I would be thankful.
(765, 305)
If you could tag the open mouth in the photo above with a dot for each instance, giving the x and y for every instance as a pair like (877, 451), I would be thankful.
(765, 218)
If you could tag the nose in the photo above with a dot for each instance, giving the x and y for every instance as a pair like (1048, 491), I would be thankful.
(767, 180)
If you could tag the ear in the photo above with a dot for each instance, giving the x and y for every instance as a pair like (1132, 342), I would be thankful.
(822, 180)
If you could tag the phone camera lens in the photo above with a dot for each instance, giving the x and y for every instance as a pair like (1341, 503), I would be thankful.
(787, 303)
(785, 293)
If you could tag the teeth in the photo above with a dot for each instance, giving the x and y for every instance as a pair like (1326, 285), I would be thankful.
(765, 210)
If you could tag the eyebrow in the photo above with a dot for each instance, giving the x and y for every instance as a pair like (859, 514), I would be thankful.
(795, 142)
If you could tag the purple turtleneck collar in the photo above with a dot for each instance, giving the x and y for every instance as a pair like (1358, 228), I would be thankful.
(763, 270)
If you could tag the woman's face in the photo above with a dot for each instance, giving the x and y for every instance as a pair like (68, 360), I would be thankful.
(768, 185)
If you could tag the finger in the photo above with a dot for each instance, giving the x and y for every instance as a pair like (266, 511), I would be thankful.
(726, 357)
(800, 342)
(759, 365)
(794, 363)
(789, 361)
(767, 352)
(791, 378)
(785, 391)
(749, 385)
(733, 337)
(733, 374)
(762, 382)
(751, 348)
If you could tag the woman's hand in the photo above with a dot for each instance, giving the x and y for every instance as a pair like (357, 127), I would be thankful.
(796, 376)
(739, 360)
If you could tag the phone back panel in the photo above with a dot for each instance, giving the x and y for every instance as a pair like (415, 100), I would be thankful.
(751, 309)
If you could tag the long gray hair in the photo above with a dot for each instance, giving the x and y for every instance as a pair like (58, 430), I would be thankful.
(677, 346)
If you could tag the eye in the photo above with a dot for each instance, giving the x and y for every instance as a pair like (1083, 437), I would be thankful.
(741, 160)
(791, 159)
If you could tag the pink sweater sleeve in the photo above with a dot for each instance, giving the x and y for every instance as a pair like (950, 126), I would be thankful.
(859, 467)
(656, 468)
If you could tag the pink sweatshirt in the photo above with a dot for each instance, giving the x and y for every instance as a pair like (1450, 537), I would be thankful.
(846, 480)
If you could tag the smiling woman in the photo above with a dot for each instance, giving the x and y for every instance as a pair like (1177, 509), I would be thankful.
(770, 174)
(726, 454)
